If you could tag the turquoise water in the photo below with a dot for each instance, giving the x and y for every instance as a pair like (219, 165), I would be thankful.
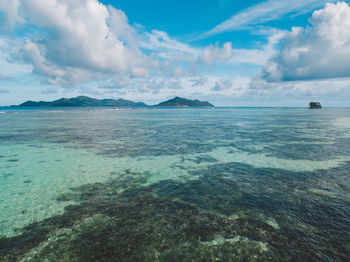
(224, 184)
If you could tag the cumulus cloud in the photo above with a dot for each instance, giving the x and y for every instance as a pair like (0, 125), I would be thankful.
(319, 51)
(75, 40)
(78, 41)
(214, 53)
(79, 37)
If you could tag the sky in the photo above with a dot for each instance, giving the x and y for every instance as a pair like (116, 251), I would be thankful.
(228, 52)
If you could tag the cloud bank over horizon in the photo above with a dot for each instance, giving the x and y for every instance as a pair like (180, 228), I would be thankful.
(56, 47)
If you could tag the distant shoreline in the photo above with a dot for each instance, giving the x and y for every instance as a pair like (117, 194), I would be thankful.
(19, 108)
(85, 101)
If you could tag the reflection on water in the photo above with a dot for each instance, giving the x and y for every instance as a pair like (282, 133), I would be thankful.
(175, 185)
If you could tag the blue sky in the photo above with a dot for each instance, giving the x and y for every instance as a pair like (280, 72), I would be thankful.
(232, 53)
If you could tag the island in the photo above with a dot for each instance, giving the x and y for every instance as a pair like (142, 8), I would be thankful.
(85, 101)
(183, 102)
(315, 105)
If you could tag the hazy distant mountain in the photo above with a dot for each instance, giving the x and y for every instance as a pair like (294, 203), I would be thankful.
(182, 102)
(84, 101)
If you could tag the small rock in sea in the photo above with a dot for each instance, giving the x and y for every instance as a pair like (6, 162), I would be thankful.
(315, 105)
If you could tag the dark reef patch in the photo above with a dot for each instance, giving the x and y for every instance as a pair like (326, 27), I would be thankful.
(233, 212)
(35, 146)
(12, 160)
(310, 151)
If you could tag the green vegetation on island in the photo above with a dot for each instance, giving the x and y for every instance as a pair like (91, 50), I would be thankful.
(84, 101)
(182, 102)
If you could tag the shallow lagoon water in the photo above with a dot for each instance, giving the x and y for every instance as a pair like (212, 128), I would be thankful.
(222, 184)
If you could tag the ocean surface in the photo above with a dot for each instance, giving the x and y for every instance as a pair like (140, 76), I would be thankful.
(223, 184)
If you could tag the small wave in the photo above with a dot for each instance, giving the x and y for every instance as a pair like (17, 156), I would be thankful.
(2, 113)
(123, 109)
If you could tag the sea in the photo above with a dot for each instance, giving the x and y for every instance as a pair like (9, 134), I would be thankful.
(174, 184)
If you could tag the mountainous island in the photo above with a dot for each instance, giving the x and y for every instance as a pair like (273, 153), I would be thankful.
(182, 102)
(84, 101)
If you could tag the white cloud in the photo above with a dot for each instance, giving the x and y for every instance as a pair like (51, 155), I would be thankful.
(171, 49)
(264, 12)
(302, 92)
(9, 10)
(77, 39)
(259, 56)
(8, 48)
(316, 52)
(155, 89)
(160, 41)
(214, 53)
(48, 70)
(199, 81)
(83, 40)
(222, 84)
(93, 48)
